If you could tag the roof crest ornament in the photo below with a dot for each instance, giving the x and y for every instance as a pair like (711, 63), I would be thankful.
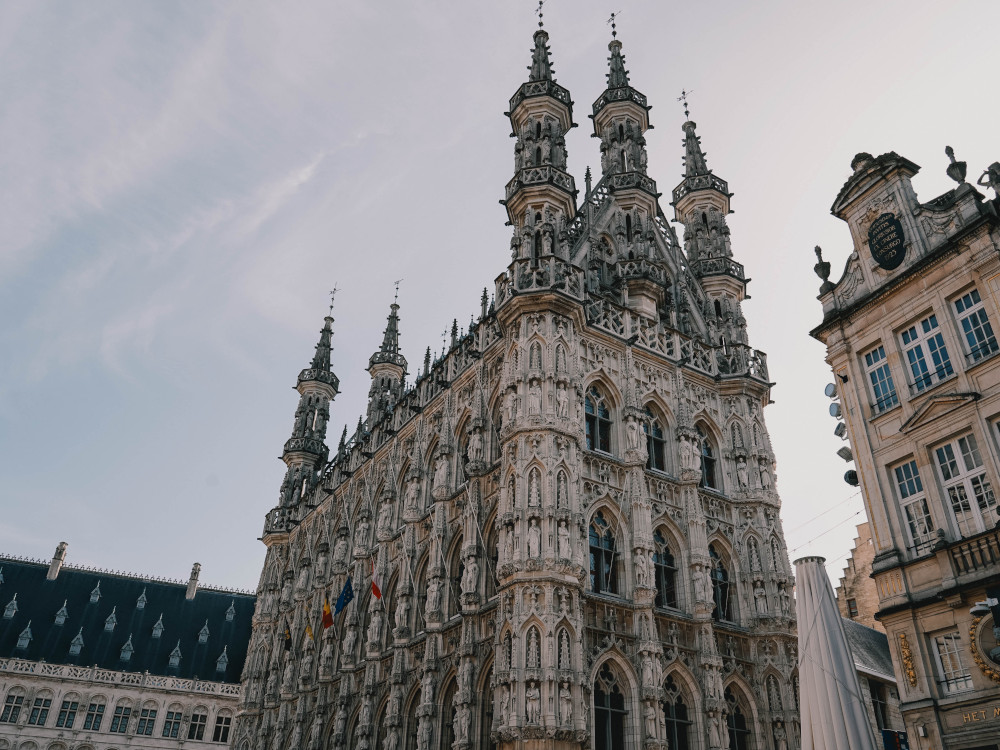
(539, 13)
(611, 20)
(684, 98)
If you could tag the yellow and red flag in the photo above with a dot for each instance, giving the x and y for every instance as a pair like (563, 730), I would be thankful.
(376, 589)
(327, 614)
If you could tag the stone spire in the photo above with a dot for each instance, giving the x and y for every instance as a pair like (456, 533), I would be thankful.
(541, 113)
(694, 158)
(387, 368)
(305, 451)
(617, 75)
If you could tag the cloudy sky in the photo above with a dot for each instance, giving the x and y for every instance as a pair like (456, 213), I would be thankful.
(183, 183)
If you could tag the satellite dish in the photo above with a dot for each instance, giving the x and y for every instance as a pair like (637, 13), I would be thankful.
(830, 390)
(845, 453)
(835, 410)
(840, 430)
(851, 477)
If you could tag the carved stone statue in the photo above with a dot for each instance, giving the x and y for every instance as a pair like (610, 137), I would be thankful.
(760, 599)
(508, 545)
(632, 435)
(316, 733)
(564, 544)
(565, 704)
(534, 539)
(991, 177)
(361, 535)
(340, 550)
(434, 595)
(470, 578)
(384, 525)
(375, 627)
(326, 656)
(441, 472)
(365, 717)
(780, 741)
(765, 475)
(308, 659)
(714, 731)
(534, 398)
(534, 655)
(411, 495)
(424, 734)
(391, 741)
(461, 722)
(510, 406)
(534, 491)
(350, 640)
(402, 611)
(427, 687)
(505, 706)
(562, 402)
(288, 677)
(650, 715)
(465, 676)
(475, 446)
(532, 702)
(648, 676)
(742, 474)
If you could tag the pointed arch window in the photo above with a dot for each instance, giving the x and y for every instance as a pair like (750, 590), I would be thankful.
(721, 587)
(603, 572)
(655, 443)
(448, 713)
(610, 713)
(736, 722)
(675, 715)
(457, 573)
(486, 740)
(666, 572)
(708, 461)
(598, 419)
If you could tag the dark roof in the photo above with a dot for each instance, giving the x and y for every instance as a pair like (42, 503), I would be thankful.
(39, 600)
(870, 649)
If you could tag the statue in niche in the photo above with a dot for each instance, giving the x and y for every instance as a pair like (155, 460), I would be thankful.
(565, 704)
(562, 402)
(427, 687)
(632, 435)
(642, 570)
(308, 659)
(391, 741)
(361, 535)
(350, 639)
(470, 578)
(564, 544)
(534, 398)
(326, 656)
(650, 715)
(411, 495)
(534, 657)
(465, 676)
(402, 611)
(461, 722)
(508, 545)
(424, 734)
(366, 714)
(316, 732)
(475, 446)
(714, 731)
(288, 678)
(780, 741)
(340, 550)
(753, 552)
(510, 406)
(532, 702)
(534, 539)
(505, 705)
(272, 682)
(375, 627)
(742, 476)
(441, 472)
(561, 491)
(776, 555)
(534, 492)
(765, 475)
(434, 596)
(340, 723)
(564, 655)
(384, 523)
(648, 676)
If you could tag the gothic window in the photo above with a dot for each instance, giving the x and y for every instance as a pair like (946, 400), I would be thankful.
(448, 713)
(493, 556)
(609, 712)
(666, 572)
(538, 129)
(410, 729)
(486, 717)
(507, 651)
(718, 309)
(598, 418)
(535, 356)
(708, 460)
(736, 722)
(457, 572)
(628, 227)
(722, 593)
(675, 715)
(655, 443)
(603, 570)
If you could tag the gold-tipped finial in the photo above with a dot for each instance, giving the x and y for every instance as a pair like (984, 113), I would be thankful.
(539, 12)
(684, 98)
(611, 20)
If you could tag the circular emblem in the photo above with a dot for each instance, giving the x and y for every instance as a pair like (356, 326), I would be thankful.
(886, 241)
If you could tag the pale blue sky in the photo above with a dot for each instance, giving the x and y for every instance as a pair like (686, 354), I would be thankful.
(183, 183)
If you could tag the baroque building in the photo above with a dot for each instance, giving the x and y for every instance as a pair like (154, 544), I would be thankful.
(909, 331)
(571, 515)
(96, 660)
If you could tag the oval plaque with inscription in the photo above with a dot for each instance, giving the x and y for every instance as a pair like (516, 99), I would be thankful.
(886, 241)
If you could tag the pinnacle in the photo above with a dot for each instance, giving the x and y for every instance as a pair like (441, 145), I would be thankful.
(617, 75)
(694, 157)
(541, 66)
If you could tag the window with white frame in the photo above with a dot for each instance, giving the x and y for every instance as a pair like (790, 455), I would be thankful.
(883, 389)
(95, 714)
(119, 722)
(969, 491)
(953, 676)
(196, 729)
(976, 329)
(172, 724)
(67, 714)
(221, 731)
(40, 711)
(926, 353)
(147, 718)
(913, 503)
(12, 708)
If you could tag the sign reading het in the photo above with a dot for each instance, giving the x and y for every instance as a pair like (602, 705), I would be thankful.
(886, 241)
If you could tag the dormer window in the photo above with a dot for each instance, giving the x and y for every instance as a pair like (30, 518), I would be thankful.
(11, 609)
(127, 649)
(62, 614)
(203, 633)
(175, 656)
(140, 603)
(25, 638)
(76, 644)
(231, 612)
(223, 661)
(95, 595)
(110, 623)
(158, 627)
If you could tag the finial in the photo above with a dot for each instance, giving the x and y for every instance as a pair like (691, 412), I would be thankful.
(588, 178)
(684, 98)
(396, 298)
(956, 169)
(539, 12)
(611, 20)
(822, 269)
(333, 294)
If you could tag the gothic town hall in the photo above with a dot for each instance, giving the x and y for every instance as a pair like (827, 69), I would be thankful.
(571, 517)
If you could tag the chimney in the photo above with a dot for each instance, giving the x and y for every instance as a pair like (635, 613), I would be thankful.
(193, 581)
(57, 560)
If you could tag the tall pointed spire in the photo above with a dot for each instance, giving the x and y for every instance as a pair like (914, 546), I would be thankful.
(387, 368)
(694, 157)
(321, 360)
(389, 350)
(617, 75)
(541, 64)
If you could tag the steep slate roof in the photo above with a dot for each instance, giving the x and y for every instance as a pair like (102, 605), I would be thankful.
(870, 649)
(38, 600)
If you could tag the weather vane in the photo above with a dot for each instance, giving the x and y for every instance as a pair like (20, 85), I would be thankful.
(614, 31)
(333, 293)
(684, 98)
(397, 291)
(539, 12)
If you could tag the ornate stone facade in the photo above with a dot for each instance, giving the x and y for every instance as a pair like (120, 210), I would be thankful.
(910, 335)
(572, 515)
